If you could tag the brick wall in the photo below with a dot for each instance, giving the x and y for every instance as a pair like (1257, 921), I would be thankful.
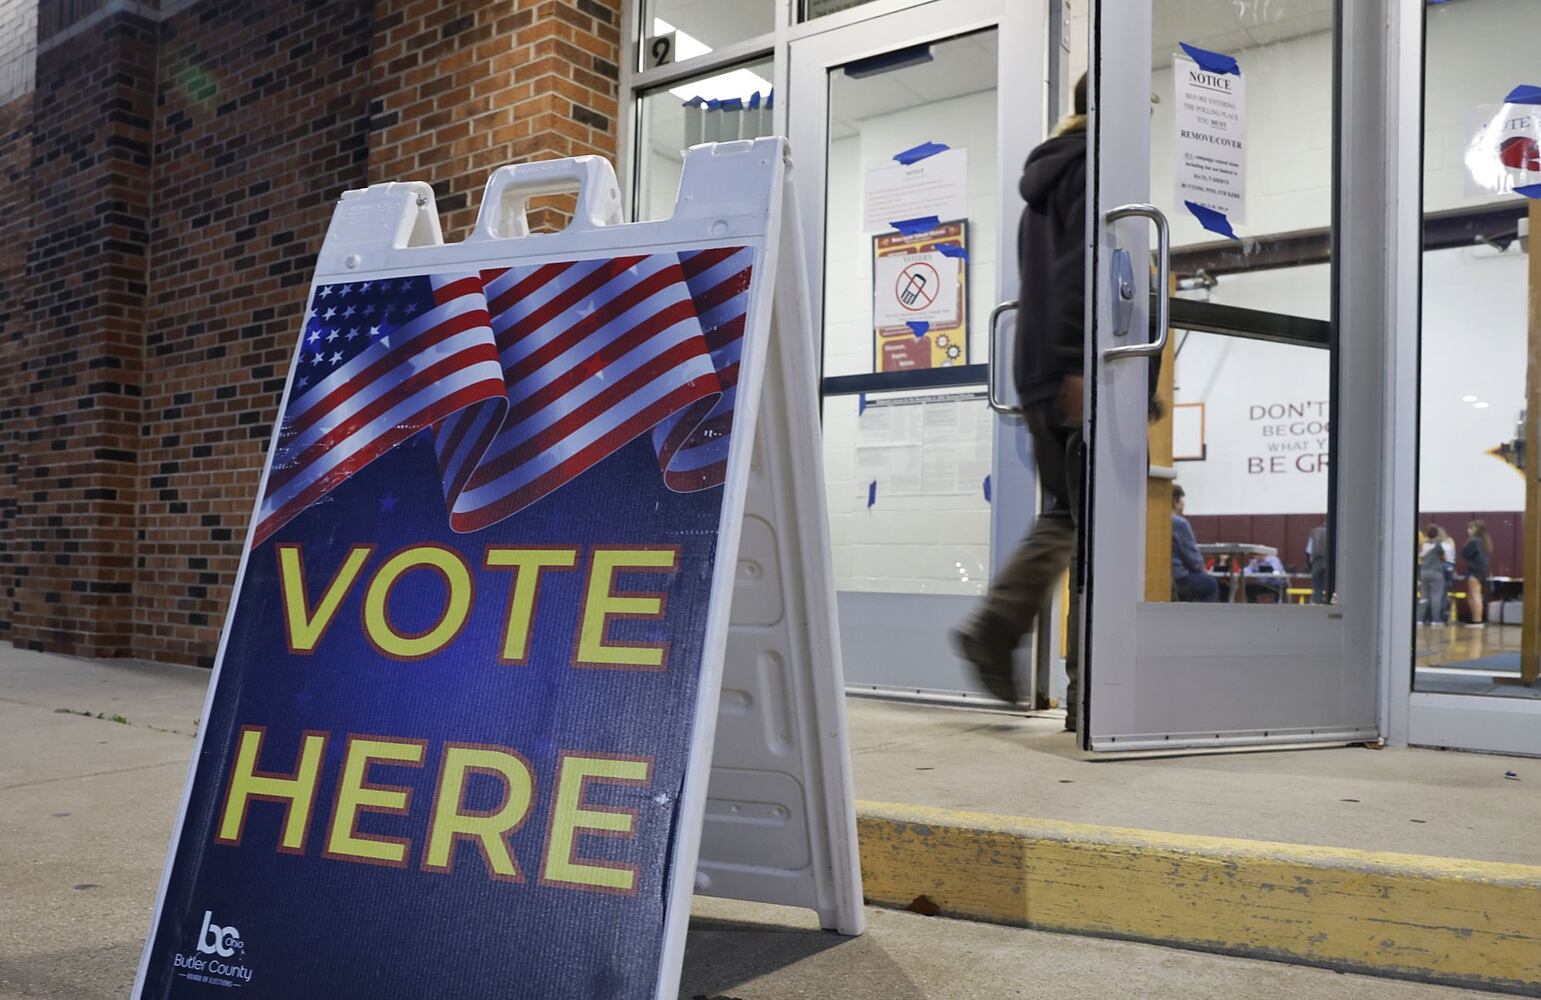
(262, 121)
(83, 306)
(463, 87)
(15, 232)
(183, 160)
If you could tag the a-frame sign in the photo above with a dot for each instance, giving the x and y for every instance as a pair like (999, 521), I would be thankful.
(534, 631)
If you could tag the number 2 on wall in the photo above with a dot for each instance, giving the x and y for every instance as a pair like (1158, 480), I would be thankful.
(660, 50)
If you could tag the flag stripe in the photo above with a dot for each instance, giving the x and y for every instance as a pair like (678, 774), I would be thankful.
(526, 375)
(387, 401)
(593, 364)
(400, 421)
(615, 394)
(570, 469)
(524, 363)
(271, 522)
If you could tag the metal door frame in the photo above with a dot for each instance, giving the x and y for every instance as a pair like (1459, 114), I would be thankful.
(894, 645)
(1336, 657)
(1465, 722)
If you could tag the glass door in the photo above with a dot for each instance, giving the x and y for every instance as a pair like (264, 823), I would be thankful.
(1231, 528)
(1476, 647)
(908, 128)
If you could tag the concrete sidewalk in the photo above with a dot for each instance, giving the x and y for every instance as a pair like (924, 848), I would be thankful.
(1428, 802)
(93, 755)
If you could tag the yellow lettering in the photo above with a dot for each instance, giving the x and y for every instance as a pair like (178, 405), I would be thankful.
(527, 565)
(601, 603)
(296, 791)
(305, 626)
(355, 794)
(451, 821)
(457, 602)
(569, 816)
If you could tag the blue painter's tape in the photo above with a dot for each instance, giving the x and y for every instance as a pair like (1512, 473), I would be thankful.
(1215, 222)
(919, 326)
(754, 101)
(733, 104)
(913, 227)
(713, 104)
(917, 153)
(1529, 190)
(987, 487)
(695, 102)
(1525, 93)
(1215, 62)
(861, 403)
(872, 493)
(770, 98)
(952, 250)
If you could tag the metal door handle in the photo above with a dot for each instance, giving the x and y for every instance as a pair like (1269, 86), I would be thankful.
(1163, 280)
(990, 393)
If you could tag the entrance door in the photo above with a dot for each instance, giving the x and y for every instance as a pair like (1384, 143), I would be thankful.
(908, 128)
(1237, 143)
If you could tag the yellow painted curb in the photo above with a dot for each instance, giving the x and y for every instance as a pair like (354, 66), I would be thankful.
(1473, 923)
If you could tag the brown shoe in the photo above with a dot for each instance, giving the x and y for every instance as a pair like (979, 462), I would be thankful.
(979, 642)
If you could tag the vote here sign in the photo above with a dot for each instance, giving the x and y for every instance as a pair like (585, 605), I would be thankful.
(451, 720)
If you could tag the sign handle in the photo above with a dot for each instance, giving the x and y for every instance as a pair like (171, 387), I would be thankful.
(509, 189)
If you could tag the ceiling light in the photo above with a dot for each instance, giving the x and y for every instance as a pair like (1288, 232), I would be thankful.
(1468, 399)
(1480, 406)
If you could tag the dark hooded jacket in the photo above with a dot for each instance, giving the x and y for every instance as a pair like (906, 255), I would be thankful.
(1051, 253)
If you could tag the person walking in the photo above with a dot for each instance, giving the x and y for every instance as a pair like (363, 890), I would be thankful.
(1048, 365)
(1431, 576)
(1447, 550)
(1477, 552)
(1316, 561)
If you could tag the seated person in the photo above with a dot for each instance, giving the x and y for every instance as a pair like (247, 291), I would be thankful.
(1189, 578)
(1270, 588)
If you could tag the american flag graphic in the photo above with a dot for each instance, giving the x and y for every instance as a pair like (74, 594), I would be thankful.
(526, 376)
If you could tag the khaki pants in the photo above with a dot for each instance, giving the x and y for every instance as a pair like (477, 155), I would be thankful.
(1023, 586)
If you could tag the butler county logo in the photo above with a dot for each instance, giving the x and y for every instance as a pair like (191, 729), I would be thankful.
(220, 944)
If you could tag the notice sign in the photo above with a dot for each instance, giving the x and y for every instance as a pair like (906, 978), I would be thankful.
(936, 185)
(920, 298)
(1211, 142)
(446, 746)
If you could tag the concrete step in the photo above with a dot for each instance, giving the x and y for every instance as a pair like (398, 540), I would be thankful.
(1468, 923)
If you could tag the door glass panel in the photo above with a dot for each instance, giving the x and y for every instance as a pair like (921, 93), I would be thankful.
(676, 30)
(1472, 400)
(907, 470)
(735, 104)
(1242, 165)
(905, 473)
(942, 93)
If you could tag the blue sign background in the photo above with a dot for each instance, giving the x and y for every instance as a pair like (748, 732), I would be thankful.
(313, 927)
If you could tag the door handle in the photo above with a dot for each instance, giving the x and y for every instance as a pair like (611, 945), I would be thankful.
(1163, 280)
(991, 395)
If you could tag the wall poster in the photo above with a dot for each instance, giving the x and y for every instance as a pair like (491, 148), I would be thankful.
(920, 298)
